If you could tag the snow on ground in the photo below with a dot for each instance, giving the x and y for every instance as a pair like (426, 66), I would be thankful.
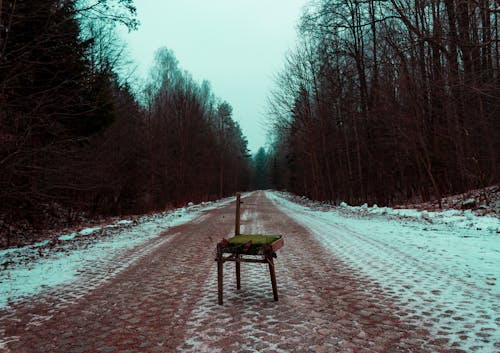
(441, 268)
(483, 201)
(26, 271)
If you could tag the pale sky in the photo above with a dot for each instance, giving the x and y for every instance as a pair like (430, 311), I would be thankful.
(237, 45)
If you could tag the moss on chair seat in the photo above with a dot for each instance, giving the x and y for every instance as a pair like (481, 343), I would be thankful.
(256, 239)
(251, 244)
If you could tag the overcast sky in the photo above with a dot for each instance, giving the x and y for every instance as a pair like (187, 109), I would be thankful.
(237, 45)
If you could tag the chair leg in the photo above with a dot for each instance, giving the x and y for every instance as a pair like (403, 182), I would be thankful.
(219, 280)
(238, 273)
(273, 278)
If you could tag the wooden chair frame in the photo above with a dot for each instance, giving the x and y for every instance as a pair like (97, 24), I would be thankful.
(238, 258)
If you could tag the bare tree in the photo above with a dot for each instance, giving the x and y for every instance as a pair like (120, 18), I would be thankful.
(400, 100)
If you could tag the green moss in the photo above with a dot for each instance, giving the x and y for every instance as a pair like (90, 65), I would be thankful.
(257, 239)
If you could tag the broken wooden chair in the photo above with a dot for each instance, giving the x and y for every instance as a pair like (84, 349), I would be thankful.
(256, 248)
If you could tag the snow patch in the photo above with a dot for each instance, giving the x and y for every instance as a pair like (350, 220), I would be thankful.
(29, 270)
(442, 268)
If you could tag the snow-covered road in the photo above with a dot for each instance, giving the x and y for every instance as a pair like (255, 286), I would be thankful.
(442, 269)
(350, 279)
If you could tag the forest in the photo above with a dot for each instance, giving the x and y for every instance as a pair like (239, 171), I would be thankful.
(389, 101)
(381, 101)
(75, 137)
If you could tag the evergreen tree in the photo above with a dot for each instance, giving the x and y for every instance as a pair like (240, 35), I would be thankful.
(52, 102)
(262, 178)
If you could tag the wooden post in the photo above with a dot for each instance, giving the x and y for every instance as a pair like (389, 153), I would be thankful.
(273, 278)
(237, 222)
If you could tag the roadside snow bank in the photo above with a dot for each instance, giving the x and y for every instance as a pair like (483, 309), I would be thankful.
(31, 269)
(450, 218)
(459, 219)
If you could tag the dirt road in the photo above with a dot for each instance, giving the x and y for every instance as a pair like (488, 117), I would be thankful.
(167, 300)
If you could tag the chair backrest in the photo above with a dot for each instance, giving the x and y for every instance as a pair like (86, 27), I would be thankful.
(237, 219)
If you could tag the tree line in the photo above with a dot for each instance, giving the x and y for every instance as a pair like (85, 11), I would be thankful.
(74, 135)
(389, 100)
